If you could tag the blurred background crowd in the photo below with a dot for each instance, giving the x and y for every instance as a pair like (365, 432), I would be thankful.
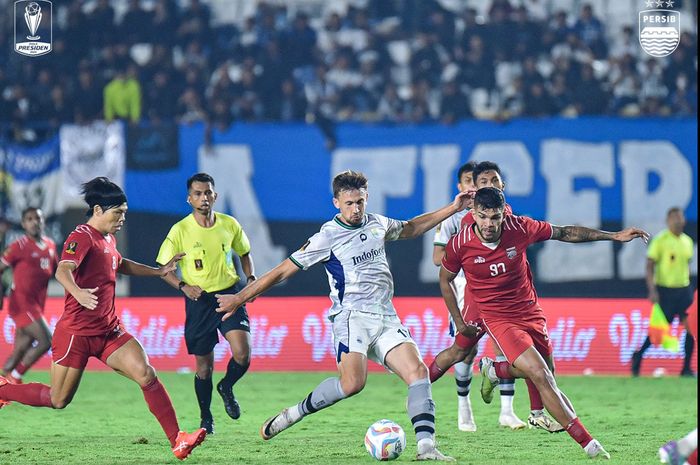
(397, 61)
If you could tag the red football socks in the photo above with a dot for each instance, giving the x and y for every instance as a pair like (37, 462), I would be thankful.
(579, 432)
(693, 459)
(161, 407)
(435, 372)
(21, 369)
(535, 398)
(34, 394)
(502, 370)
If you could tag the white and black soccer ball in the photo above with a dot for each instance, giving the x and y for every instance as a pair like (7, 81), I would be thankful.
(385, 440)
(32, 9)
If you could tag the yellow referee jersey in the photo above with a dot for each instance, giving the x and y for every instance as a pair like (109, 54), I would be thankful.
(208, 262)
(672, 255)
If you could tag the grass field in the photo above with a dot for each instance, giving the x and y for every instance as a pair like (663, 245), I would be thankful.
(108, 423)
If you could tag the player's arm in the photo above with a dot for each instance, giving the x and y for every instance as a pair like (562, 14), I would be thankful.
(649, 278)
(229, 303)
(583, 234)
(3, 267)
(448, 294)
(438, 253)
(64, 275)
(132, 268)
(427, 221)
(248, 267)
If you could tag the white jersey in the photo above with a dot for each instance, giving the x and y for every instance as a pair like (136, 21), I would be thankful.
(445, 230)
(355, 261)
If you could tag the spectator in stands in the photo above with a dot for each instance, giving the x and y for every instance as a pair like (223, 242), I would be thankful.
(189, 107)
(160, 104)
(591, 32)
(87, 105)
(195, 23)
(101, 24)
(164, 20)
(122, 96)
(135, 26)
(454, 105)
(589, 97)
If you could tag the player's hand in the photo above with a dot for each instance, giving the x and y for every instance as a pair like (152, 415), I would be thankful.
(228, 304)
(654, 296)
(469, 329)
(629, 234)
(87, 298)
(463, 200)
(172, 264)
(192, 292)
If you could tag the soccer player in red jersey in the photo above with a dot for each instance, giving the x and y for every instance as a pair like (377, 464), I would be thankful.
(89, 326)
(488, 174)
(33, 261)
(492, 254)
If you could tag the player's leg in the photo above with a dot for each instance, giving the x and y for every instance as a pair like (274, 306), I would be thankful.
(126, 356)
(675, 452)
(238, 338)
(23, 342)
(448, 358)
(351, 357)
(538, 417)
(463, 380)
(405, 361)
(203, 389)
(506, 386)
(40, 335)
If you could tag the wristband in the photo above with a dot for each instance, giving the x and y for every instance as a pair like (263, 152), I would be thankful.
(181, 284)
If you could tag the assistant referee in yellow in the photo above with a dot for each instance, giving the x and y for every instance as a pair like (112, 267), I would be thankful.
(668, 281)
(209, 239)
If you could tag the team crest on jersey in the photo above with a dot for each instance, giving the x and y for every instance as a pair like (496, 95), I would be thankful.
(376, 233)
(479, 260)
(511, 252)
(72, 246)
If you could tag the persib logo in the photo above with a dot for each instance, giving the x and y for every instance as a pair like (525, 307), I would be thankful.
(659, 31)
(33, 27)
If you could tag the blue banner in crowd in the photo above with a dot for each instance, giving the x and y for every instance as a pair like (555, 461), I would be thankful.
(603, 168)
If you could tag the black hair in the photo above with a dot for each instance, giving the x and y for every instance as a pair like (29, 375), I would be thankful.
(465, 168)
(199, 177)
(348, 180)
(28, 210)
(673, 210)
(103, 192)
(489, 198)
(485, 166)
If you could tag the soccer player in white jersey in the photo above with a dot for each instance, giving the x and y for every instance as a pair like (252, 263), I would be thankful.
(463, 369)
(365, 324)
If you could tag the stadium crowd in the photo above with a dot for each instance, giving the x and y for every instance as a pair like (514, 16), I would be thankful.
(392, 61)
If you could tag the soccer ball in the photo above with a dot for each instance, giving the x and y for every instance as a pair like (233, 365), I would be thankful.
(32, 9)
(385, 440)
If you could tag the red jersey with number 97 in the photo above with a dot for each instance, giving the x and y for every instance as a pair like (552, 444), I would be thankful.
(498, 274)
(97, 261)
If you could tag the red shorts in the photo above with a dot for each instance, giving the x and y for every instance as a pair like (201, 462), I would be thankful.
(24, 318)
(73, 350)
(514, 336)
(470, 314)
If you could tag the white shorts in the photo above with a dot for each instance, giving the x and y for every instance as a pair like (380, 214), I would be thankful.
(368, 334)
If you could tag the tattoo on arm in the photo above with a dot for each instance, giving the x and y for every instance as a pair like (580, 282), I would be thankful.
(579, 234)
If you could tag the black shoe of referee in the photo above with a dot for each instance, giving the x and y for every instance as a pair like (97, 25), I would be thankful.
(208, 425)
(232, 408)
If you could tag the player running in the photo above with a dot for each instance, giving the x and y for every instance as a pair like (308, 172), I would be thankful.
(492, 254)
(464, 356)
(89, 326)
(33, 260)
(485, 174)
(365, 324)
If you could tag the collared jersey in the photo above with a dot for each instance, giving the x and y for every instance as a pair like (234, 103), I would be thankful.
(32, 265)
(97, 260)
(208, 262)
(498, 275)
(672, 255)
(355, 261)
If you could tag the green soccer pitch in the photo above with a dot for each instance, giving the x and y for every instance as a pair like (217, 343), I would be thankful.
(109, 423)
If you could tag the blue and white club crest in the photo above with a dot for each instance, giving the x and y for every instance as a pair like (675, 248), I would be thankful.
(659, 31)
(511, 252)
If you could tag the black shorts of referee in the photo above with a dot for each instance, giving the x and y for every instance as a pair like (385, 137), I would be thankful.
(202, 321)
(675, 301)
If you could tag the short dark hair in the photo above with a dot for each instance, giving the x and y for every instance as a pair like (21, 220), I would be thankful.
(200, 177)
(348, 180)
(103, 192)
(28, 210)
(489, 198)
(673, 210)
(465, 168)
(485, 166)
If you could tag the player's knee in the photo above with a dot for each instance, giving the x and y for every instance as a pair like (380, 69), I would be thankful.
(542, 377)
(60, 402)
(204, 372)
(242, 359)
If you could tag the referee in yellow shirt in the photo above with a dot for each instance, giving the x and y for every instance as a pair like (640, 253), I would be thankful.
(209, 239)
(668, 281)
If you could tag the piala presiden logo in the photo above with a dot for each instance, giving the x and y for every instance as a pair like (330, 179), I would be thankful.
(33, 27)
(659, 29)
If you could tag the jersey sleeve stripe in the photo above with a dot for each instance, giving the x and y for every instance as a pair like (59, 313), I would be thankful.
(519, 221)
(441, 244)
(447, 268)
(296, 263)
